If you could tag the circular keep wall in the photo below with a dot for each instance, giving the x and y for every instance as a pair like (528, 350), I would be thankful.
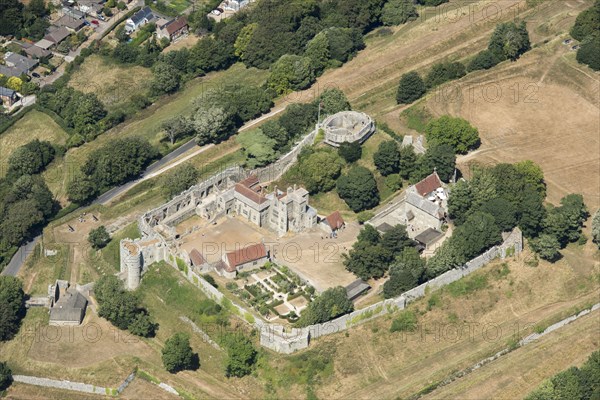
(347, 126)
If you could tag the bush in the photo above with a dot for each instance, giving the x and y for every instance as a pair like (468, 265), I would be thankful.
(406, 322)
(5, 376)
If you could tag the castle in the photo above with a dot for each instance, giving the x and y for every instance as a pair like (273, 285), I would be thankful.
(279, 211)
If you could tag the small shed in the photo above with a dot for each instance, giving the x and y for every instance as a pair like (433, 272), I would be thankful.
(429, 237)
(356, 288)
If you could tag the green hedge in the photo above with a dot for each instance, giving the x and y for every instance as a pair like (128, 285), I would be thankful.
(55, 117)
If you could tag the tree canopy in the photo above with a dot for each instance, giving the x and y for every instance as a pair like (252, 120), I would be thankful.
(177, 355)
(397, 12)
(454, 131)
(99, 237)
(410, 88)
(387, 158)
(241, 355)
(358, 188)
(12, 311)
(328, 305)
(179, 180)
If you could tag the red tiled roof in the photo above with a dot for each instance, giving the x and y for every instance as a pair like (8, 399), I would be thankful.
(429, 184)
(176, 25)
(245, 255)
(250, 188)
(197, 258)
(335, 220)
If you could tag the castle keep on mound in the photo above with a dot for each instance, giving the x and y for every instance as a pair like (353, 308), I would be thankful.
(347, 126)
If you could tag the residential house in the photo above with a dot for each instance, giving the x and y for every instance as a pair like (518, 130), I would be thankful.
(44, 44)
(57, 35)
(73, 13)
(17, 65)
(72, 24)
(172, 29)
(90, 7)
(36, 51)
(246, 259)
(139, 19)
(8, 97)
(426, 203)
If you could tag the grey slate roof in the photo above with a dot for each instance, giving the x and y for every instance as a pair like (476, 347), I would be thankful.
(422, 203)
(71, 309)
(6, 92)
(356, 288)
(144, 13)
(428, 236)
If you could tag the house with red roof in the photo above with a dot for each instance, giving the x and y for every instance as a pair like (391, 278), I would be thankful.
(333, 222)
(244, 259)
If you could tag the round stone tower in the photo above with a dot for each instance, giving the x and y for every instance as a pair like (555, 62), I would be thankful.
(131, 263)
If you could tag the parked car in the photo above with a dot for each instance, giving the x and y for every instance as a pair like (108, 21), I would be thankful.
(35, 75)
(95, 22)
(101, 17)
(216, 12)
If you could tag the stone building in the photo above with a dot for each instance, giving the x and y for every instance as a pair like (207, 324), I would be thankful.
(347, 126)
(241, 260)
(426, 203)
(135, 257)
(67, 305)
(279, 211)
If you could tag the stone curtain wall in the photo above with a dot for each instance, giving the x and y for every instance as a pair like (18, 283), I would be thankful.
(274, 171)
(67, 385)
(276, 338)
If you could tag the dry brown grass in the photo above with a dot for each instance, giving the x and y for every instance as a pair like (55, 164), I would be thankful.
(114, 84)
(34, 125)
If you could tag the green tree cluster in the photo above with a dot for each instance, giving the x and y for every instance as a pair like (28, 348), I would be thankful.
(444, 72)
(122, 308)
(328, 305)
(508, 42)
(372, 253)
(587, 32)
(12, 311)
(410, 88)
(574, 383)
(113, 164)
(406, 272)
(180, 179)
(596, 228)
(398, 12)
(30, 159)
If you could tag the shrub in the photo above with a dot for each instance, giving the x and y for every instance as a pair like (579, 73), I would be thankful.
(410, 88)
(406, 322)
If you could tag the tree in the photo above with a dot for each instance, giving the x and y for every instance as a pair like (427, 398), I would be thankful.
(405, 273)
(477, 234)
(396, 239)
(455, 132)
(30, 159)
(273, 130)
(241, 355)
(589, 52)
(177, 355)
(460, 202)
(596, 228)
(350, 151)
(99, 237)
(12, 311)
(546, 246)
(358, 189)
(289, 73)
(212, 124)
(387, 157)
(14, 83)
(177, 128)
(397, 12)
(444, 72)
(258, 148)
(297, 118)
(319, 170)
(367, 261)
(586, 23)
(243, 39)
(166, 78)
(503, 211)
(408, 161)
(81, 189)
(142, 325)
(368, 235)
(411, 88)
(485, 59)
(532, 212)
(180, 179)
(5, 376)
(437, 157)
(333, 101)
(509, 41)
(332, 303)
